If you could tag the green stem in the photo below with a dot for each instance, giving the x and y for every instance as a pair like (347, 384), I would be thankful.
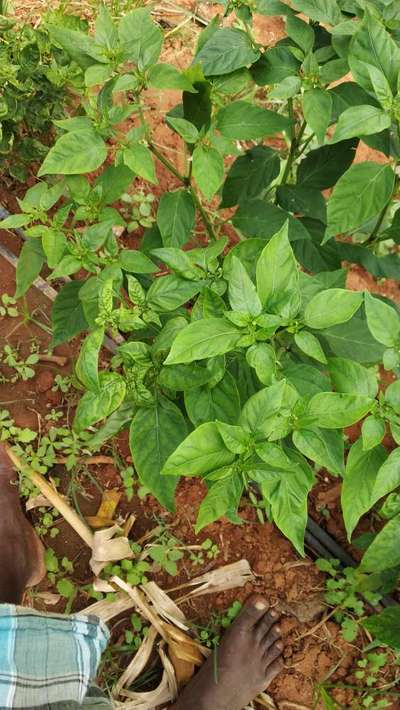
(294, 144)
(167, 164)
(203, 215)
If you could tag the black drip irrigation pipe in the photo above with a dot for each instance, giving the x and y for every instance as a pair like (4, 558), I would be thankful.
(317, 539)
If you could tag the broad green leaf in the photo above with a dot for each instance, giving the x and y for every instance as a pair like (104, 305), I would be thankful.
(353, 340)
(259, 218)
(387, 478)
(166, 76)
(323, 446)
(310, 345)
(15, 221)
(358, 484)
(186, 130)
(303, 200)
(331, 307)
(381, 86)
(78, 45)
(234, 437)
(30, 262)
(135, 262)
(176, 217)
(200, 453)
(202, 339)
(360, 121)
(392, 396)
(94, 406)
(222, 499)
(286, 490)
(194, 375)
(68, 265)
(140, 160)
(208, 169)
(263, 358)
(351, 377)
(242, 120)
(320, 10)
(86, 367)
(358, 196)
(278, 276)
(372, 44)
(335, 410)
(170, 292)
(106, 33)
(197, 107)
(275, 65)
(383, 320)
(301, 32)
(385, 627)
(206, 404)
(117, 421)
(179, 262)
(97, 74)
(155, 433)
(227, 49)
(242, 292)
(74, 154)
(266, 403)
(114, 180)
(372, 431)
(250, 175)
(323, 167)
(307, 380)
(140, 37)
(286, 89)
(384, 551)
(67, 315)
(317, 107)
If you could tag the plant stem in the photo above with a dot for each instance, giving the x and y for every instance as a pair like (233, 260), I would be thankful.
(374, 233)
(167, 163)
(294, 144)
(203, 215)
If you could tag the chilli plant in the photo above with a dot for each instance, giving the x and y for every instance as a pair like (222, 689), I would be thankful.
(244, 365)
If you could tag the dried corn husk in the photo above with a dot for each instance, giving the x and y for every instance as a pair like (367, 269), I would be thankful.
(107, 548)
(106, 610)
(164, 605)
(141, 604)
(108, 506)
(236, 574)
(166, 692)
(137, 664)
(37, 502)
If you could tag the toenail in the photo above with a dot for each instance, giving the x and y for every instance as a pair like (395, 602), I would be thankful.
(278, 629)
(260, 605)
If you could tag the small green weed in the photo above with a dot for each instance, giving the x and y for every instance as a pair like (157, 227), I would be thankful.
(8, 306)
(22, 366)
(210, 635)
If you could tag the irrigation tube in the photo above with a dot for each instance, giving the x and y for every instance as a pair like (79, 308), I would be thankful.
(316, 539)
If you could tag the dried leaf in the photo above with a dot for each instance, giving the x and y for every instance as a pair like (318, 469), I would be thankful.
(185, 647)
(101, 585)
(137, 664)
(184, 670)
(141, 605)
(107, 548)
(108, 506)
(48, 598)
(164, 605)
(129, 523)
(37, 502)
(236, 574)
(106, 610)
(166, 692)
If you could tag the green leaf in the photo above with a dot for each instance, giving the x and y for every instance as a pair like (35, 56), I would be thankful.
(353, 340)
(166, 76)
(358, 196)
(335, 410)
(286, 89)
(67, 316)
(250, 175)
(331, 307)
(197, 107)
(227, 49)
(317, 107)
(383, 320)
(30, 262)
(372, 44)
(206, 404)
(381, 86)
(385, 627)
(323, 167)
(242, 120)
(392, 396)
(320, 10)
(352, 378)
(275, 65)
(234, 437)
(86, 367)
(304, 200)
(323, 446)
(200, 453)
(96, 74)
(286, 490)
(258, 218)
(186, 130)
(114, 180)
(202, 339)
(358, 484)
(372, 431)
(360, 121)
(176, 217)
(263, 358)
(208, 170)
(94, 406)
(15, 221)
(242, 292)
(278, 276)
(54, 244)
(310, 345)
(384, 551)
(222, 498)
(307, 380)
(140, 37)
(154, 434)
(169, 292)
(266, 403)
(79, 46)
(186, 377)
(140, 160)
(74, 154)
(301, 32)
(135, 262)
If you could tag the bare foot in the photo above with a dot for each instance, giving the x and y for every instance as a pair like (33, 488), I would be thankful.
(21, 552)
(245, 663)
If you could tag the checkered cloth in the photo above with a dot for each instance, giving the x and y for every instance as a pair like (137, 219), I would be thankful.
(49, 660)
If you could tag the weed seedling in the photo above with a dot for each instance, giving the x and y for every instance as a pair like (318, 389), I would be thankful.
(8, 306)
(22, 366)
